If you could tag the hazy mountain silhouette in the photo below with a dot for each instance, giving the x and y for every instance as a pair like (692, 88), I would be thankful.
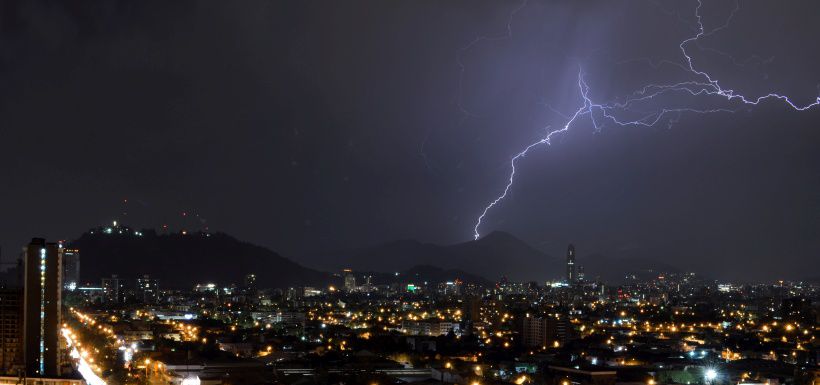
(615, 269)
(181, 261)
(424, 273)
(493, 256)
(436, 274)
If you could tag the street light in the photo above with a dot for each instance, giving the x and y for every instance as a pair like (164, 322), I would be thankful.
(711, 374)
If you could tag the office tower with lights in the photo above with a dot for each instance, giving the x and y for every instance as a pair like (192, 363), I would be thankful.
(350, 280)
(543, 331)
(250, 283)
(571, 275)
(71, 263)
(41, 308)
(113, 291)
(147, 289)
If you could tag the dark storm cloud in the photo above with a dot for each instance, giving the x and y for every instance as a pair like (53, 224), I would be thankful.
(308, 126)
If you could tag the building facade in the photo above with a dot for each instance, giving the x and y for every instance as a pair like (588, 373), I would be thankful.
(350, 280)
(113, 289)
(41, 308)
(11, 331)
(71, 270)
(147, 289)
(537, 331)
(429, 328)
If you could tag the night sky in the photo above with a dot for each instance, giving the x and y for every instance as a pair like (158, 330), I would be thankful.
(308, 126)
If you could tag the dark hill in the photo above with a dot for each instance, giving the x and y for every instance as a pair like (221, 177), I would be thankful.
(181, 261)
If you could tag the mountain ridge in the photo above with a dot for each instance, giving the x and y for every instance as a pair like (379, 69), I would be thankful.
(492, 257)
(183, 260)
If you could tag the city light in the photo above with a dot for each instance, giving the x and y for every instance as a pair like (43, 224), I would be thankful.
(82, 366)
(711, 374)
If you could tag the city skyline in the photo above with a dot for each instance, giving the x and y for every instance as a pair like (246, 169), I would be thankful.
(522, 261)
(440, 192)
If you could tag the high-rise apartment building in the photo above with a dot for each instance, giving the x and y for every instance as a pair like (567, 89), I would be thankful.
(350, 280)
(147, 289)
(42, 307)
(538, 331)
(113, 291)
(71, 269)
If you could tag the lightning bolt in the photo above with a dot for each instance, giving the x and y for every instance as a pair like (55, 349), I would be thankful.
(703, 85)
(545, 140)
(713, 86)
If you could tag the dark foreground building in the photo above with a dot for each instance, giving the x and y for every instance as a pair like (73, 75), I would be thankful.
(11, 330)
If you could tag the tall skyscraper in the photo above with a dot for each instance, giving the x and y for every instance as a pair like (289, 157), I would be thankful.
(571, 275)
(41, 308)
(71, 263)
